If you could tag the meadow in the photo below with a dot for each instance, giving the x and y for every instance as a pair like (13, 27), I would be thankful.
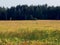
(30, 32)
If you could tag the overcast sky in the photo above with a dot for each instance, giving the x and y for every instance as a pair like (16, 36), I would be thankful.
(9, 3)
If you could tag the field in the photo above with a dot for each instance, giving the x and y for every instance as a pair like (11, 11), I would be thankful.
(30, 25)
(30, 32)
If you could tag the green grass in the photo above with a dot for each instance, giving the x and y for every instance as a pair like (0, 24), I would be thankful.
(49, 37)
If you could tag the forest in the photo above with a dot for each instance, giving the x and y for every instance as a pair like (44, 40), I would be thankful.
(32, 12)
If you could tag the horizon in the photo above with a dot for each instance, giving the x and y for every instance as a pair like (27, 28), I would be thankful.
(10, 3)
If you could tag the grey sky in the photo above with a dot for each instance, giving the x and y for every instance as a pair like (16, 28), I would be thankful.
(9, 3)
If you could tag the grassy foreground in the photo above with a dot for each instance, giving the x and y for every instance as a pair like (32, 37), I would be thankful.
(35, 37)
(38, 32)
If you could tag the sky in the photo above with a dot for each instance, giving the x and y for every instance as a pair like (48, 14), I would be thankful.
(9, 3)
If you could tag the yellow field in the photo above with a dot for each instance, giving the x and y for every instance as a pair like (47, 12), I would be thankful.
(12, 37)
(30, 25)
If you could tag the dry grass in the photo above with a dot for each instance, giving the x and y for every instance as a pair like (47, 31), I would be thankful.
(8, 28)
(30, 25)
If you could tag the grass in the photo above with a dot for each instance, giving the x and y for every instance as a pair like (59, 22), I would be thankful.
(37, 32)
(36, 36)
(30, 25)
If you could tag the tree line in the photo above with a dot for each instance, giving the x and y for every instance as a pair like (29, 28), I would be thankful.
(25, 12)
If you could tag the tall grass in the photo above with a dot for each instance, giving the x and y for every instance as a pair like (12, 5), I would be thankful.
(35, 37)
